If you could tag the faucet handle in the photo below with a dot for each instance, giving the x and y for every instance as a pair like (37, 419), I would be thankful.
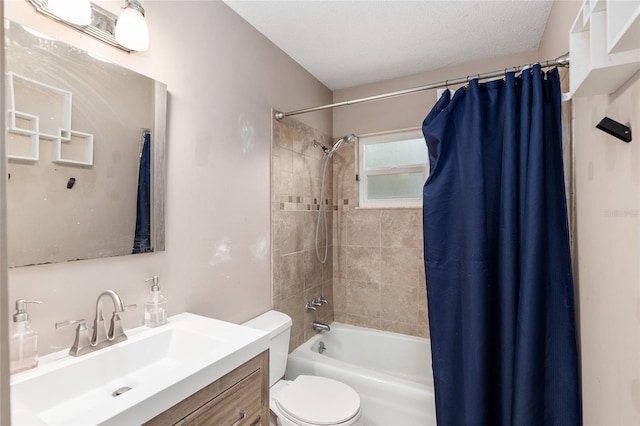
(130, 307)
(71, 322)
(82, 341)
(321, 300)
(310, 307)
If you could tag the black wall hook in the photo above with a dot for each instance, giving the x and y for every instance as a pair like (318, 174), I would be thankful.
(615, 129)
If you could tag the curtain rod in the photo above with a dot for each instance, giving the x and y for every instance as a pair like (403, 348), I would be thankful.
(562, 61)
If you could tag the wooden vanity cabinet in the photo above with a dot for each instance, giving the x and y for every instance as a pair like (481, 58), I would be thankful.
(240, 398)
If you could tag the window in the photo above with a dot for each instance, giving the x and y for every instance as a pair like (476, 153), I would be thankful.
(392, 169)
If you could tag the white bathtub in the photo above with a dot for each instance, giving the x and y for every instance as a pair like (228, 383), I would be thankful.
(390, 371)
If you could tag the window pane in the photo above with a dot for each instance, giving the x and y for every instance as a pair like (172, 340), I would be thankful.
(393, 154)
(400, 185)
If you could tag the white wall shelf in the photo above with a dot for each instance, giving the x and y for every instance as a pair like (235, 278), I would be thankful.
(77, 150)
(605, 46)
(26, 130)
(22, 137)
(42, 100)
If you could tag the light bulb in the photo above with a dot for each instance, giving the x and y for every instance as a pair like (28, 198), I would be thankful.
(131, 28)
(76, 12)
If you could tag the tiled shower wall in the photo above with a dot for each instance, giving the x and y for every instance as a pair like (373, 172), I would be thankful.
(298, 276)
(378, 274)
(374, 274)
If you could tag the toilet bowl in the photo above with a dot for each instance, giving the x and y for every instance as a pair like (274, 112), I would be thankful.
(314, 400)
(306, 400)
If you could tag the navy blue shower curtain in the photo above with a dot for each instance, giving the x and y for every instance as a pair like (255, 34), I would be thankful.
(142, 239)
(497, 256)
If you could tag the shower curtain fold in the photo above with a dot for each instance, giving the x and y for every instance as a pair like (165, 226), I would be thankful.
(497, 259)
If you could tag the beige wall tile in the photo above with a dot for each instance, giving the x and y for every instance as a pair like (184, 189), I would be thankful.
(413, 329)
(284, 183)
(287, 232)
(363, 228)
(363, 263)
(312, 270)
(286, 135)
(340, 262)
(292, 271)
(363, 299)
(282, 160)
(360, 321)
(339, 296)
(402, 267)
(402, 228)
(399, 304)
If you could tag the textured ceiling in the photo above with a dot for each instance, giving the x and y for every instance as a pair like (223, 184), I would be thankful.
(349, 43)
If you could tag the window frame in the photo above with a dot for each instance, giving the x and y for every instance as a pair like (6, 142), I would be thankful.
(363, 173)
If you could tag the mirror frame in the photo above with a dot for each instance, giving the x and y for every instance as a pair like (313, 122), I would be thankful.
(159, 167)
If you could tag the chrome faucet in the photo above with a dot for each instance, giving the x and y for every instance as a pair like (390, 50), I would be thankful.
(319, 326)
(101, 337)
(115, 333)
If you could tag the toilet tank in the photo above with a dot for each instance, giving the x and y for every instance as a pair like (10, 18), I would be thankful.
(278, 325)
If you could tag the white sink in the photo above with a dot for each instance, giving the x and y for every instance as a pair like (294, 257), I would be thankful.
(161, 366)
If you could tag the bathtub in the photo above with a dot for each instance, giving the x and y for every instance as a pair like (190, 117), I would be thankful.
(391, 372)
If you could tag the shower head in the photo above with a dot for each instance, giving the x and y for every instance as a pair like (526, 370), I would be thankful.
(348, 139)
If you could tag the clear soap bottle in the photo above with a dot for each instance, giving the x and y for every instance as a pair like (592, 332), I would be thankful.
(23, 341)
(155, 308)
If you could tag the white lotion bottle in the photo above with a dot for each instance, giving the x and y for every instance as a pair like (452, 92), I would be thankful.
(155, 308)
(23, 340)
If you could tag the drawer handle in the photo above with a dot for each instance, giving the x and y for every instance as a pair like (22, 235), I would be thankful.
(242, 416)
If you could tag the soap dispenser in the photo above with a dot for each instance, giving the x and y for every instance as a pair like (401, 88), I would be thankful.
(155, 308)
(24, 340)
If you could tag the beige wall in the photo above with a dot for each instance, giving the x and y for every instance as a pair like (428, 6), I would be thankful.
(407, 111)
(608, 222)
(555, 39)
(298, 275)
(223, 78)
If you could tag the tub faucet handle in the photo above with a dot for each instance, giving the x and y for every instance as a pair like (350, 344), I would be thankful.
(310, 307)
(322, 301)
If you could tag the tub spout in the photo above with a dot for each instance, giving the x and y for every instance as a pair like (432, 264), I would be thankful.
(318, 326)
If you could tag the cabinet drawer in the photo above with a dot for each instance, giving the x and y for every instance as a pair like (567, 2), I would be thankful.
(219, 403)
(239, 405)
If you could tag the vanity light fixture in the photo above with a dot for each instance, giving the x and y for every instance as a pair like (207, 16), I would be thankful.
(75, 11)
(128, 32)
(131, 27)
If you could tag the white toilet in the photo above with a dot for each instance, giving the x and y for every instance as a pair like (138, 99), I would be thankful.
(306, 400)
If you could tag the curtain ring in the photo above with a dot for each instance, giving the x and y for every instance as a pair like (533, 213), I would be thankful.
(446, 84)
(467, 79)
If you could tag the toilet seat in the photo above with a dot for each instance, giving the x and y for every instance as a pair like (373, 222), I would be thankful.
(314, 400)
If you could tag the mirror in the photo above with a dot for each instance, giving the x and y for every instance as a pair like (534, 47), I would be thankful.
(85, 142)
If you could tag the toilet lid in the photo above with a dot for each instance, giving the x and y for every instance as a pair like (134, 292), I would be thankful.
(319, 400)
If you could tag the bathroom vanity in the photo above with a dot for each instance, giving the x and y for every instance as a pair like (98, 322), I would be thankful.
(193, 370)
(239, 398)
